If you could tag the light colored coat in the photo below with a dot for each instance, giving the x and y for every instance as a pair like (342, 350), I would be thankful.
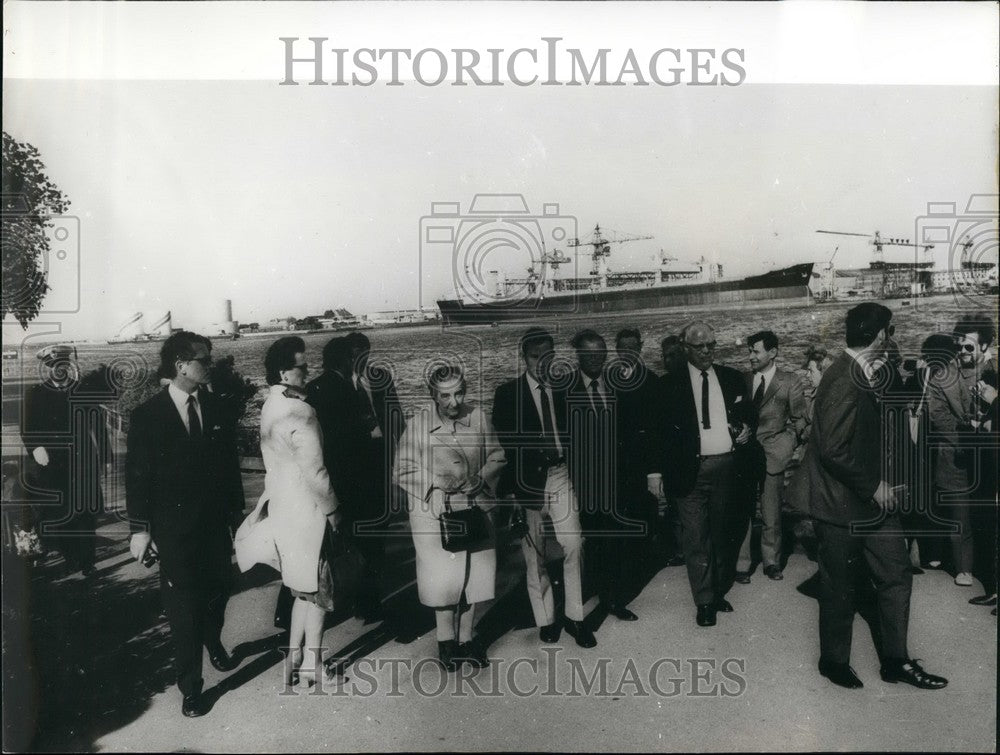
(435, 456)
(782, 418)
(297, 493)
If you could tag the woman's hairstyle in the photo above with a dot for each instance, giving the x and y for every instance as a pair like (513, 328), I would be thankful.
(281, 356)
(179, 347)
(445, 373)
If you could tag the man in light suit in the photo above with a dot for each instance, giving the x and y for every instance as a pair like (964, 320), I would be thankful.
(703, 427)
(184, 495)
(854, 507)
(529, 416)
(780, 410)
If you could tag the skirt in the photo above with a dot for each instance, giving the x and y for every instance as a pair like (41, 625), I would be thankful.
(323, 597)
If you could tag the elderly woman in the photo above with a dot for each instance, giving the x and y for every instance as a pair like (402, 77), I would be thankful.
(449, 459)
(296, 516)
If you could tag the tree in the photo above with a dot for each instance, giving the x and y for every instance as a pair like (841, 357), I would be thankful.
(29, 202)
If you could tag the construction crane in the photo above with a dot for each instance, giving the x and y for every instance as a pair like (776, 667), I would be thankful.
(601, 245)
(889, 283)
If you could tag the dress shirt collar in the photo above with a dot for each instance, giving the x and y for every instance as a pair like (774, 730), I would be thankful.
(532, 383)
(180, 398)
(696, 373)
(768, 375)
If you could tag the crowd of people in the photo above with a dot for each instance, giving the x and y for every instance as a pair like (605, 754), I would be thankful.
(892, 461)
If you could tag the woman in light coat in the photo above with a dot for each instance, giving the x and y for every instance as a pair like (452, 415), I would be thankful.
(449, 452)
(296, 516)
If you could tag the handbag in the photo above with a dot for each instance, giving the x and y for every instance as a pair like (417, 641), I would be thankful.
(466, 529)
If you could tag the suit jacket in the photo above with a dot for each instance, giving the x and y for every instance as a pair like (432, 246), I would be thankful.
(593, 448)
(949, 407)
(345, 436)
(844, 460)
(187, 490)
(519, 430)
(638, 399)
(679, 455)
(781, 418)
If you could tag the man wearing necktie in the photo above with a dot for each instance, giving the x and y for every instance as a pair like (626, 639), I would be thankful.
(612, 540)
(184, 493)
(704, 418)
(529, 416)
(780, 414)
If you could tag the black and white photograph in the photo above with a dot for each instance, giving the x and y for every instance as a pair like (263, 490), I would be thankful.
(509, 376)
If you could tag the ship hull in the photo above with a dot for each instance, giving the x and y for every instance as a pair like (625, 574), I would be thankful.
(790, 285)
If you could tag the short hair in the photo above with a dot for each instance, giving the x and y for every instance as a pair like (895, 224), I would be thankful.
(938, 349)
(628, 333)
(358, 340)
(534, 336)
(767, 336)
(979, 323)
(337, 353)
(281, 356)
(686, 328)
(585, 335)
(670, 341)
(445, 373)
(864, 323)
(179, 347)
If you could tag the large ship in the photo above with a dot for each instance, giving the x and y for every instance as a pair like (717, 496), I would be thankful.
(545, 294)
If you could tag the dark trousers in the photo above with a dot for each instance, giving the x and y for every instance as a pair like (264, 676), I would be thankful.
(69, 525)
(195, 614)
(844, 580)
(708, 530)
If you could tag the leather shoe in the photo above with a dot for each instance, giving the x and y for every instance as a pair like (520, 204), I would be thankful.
(579, 632)
(984, 600)
(621, 613)
(221, 660)
(550, 633)
(840, 674)
(192, 706)
(743, 577)
(774, 572)
(448, 654)
(473, 654)
(706, 616)
(910, 672)
(722, 605)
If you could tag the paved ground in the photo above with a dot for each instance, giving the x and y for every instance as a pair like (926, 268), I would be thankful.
(90, 671)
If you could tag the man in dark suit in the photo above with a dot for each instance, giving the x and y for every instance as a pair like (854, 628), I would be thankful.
(65, 433)
(184, 495)
(529, 417)
(780, 417)
(383, 424)
(704, 420)
(853, 505)
(612, 538)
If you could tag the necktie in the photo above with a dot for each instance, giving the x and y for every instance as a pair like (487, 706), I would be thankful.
(366, 401)
(595, 396)
(194, 424)
(547, 430)
(758, 395)
(706, 422)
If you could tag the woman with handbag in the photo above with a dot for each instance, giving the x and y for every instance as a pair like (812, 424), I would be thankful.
(294, 525)
(449, 462)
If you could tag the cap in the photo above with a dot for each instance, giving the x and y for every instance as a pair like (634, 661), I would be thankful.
(57, 352)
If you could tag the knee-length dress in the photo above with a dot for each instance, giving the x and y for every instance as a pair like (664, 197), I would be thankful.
(436, 456)
(297, 496)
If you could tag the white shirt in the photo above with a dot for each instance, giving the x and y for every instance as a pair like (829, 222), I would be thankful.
(180, 399)
(767, 376)
(588, 382)
(536, 389)
(716, 439)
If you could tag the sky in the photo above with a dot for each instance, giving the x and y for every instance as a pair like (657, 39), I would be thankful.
(294, 200)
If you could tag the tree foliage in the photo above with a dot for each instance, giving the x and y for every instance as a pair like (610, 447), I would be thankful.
(29, 201)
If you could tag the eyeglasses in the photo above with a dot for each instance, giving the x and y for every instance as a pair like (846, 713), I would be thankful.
(890, 331)
(969, 347)
(702, 346)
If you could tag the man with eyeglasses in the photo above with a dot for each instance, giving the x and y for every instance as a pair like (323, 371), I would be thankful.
(705, 418)
(184, 493)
